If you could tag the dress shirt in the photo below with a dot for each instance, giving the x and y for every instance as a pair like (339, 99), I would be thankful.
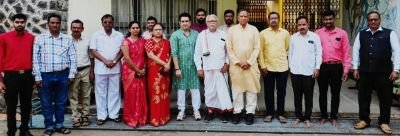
(215, 45)
(199, 27)
(82, 52)
(274, 46)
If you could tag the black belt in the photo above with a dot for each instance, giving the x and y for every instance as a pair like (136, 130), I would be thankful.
(332, 62)
(19, 72)
(82, 68)
(57, 72)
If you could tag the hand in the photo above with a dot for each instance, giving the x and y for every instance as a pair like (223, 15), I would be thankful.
(167, 67)
(356, 74)
(141, 72)
(264, 71)
(91, 76)
(240, 64)
(108, 63)
(70, 81)
(246, 66)
(315, 74)
(2, 88)
(200, 73)
(178, 73)
(345, 76)
(394, 76)
(225, 68)
(38, 84)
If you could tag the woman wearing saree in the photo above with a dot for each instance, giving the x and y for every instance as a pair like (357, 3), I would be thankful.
(133, 78)
(158, 76)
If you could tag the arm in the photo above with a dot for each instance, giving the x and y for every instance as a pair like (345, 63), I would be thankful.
(290, 52)
(261, 55)
(95, 54)
(175, 50)
(356, 56)
(256, 49)
(127, 57)
(346, 53)
(394, 42)
(72, 59)
(150, 54)
(318, 52)
(198, 52)
(36, 58)
(117, 59)
(2, 44)
(229, 45)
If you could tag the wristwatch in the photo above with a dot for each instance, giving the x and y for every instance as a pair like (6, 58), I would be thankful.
(114, 61)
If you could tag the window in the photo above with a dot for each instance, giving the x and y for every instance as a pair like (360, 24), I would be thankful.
(166, 12)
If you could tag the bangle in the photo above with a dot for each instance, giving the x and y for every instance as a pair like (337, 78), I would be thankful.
(177, 69)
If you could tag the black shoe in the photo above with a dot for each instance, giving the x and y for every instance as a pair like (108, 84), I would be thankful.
(249, 118)
(118, 119)
(236, 118)
(25, 133)
(9, 133)
(225, 117)
(209, 116)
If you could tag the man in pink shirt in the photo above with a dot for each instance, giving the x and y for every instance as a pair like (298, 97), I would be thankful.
(335, 66)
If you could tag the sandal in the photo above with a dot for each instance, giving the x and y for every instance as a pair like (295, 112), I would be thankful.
(100, 122)
(63, 130)
(282, 119)
(308, 123)
(361, 125)
(76, 123)
(385, 128)
(47, 133)
(85, 121)
(296, 121)
(268, 118)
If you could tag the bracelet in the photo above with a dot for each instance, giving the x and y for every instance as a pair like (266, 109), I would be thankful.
(177, 69)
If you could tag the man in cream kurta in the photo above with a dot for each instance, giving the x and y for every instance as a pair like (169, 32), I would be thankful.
(243, 45)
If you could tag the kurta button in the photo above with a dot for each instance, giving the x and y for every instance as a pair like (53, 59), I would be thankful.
(370, 53)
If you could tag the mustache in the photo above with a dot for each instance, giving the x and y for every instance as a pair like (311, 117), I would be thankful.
(302, 29)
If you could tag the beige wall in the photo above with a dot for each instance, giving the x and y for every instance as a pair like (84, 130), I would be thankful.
(223, 5)
(90, 12)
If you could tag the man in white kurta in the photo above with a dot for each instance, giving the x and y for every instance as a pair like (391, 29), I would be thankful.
(243, 46)
(212, 61)
(105, 46)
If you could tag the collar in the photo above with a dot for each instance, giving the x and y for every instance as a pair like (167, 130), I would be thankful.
(379, 29)
(307, 34)
(48, 34)
(270, 29)
(104, 32)
(15, 33)
(335, 30)
(245, 27)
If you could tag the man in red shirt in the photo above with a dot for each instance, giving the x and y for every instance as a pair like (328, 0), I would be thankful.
(16, 63)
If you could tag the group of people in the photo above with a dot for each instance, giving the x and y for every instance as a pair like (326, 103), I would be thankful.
(228, 60)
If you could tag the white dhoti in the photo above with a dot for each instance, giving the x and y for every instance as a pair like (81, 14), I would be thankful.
(216, 90)
(108, 97)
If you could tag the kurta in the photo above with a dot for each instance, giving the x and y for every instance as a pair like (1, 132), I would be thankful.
(183, 48)
(243, 45)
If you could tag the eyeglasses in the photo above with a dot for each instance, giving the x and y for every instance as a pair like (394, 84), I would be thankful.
(212, 21)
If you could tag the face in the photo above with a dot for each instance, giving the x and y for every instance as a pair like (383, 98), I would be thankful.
(242, 17)
(185, 23)
(134, 29)
(212, 24)
(158, 31)
(201, 17)
(150, 24)
(374, 21)
(108, 24)
(228, 18)
(273, 20)
(76, 28)
(54, 24)
(329, 21)
(19, 24)
(302, 26)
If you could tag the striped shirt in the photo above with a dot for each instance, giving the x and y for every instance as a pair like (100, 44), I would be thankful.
(53, 54)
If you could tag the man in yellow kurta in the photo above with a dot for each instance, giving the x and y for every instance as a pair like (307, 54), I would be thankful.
(243, 46)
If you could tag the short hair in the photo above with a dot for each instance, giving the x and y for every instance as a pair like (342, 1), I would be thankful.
(276, 13)
(241, 10)
(107, 16)
(229, 11)
(328, 13)
(301, 17)
(185, 14)
(201, 10)
(152, 18)
(77, 21)
(53, 15)
(211, 16)
(373, 12)
(19, 16)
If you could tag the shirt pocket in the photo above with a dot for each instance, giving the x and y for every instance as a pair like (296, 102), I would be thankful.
(60, 50)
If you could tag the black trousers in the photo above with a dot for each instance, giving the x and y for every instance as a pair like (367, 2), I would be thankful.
(280, 78)
(330, 76)
(303, 85)
(384, 88)
(18, 86)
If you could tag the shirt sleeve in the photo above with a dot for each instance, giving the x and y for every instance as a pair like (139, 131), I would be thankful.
(394, 42)
(174, 45)
(36, 58)
(93, 42)
(290, 52)
(346, 53)
(261, 54)
(318, 52)
(198, 52)
(229, 46)
(356, 52)
(256, 48)
(72, 59)
(2, 44)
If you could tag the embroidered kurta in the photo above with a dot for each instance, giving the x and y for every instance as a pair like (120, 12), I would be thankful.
(243, 45)
(183, 48)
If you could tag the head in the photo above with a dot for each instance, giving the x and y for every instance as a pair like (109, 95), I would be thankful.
(185, 21)
(242, 17)
(54, 23)
(328, 19)
(108, 22)
(77, 27)
(273, 19)
(19, 22)
(302, 24)
(158, 30)
(229, 15)
(151, 21)
(212, 21)
(374, 20)
(134, 29)
(201, 15)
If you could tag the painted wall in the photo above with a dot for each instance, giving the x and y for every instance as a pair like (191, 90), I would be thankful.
(223, 5)
(90, 12)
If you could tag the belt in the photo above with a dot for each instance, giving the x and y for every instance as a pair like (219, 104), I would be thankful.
(57, 72)
(332, 62)
(19, 72)
(82, 68)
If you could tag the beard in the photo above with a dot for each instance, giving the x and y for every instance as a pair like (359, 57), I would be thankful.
(201, 20)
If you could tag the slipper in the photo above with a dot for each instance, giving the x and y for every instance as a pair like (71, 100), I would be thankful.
(385, 128)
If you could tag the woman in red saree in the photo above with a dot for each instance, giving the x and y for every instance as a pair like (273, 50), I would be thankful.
(158, 76)
(133, 78)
